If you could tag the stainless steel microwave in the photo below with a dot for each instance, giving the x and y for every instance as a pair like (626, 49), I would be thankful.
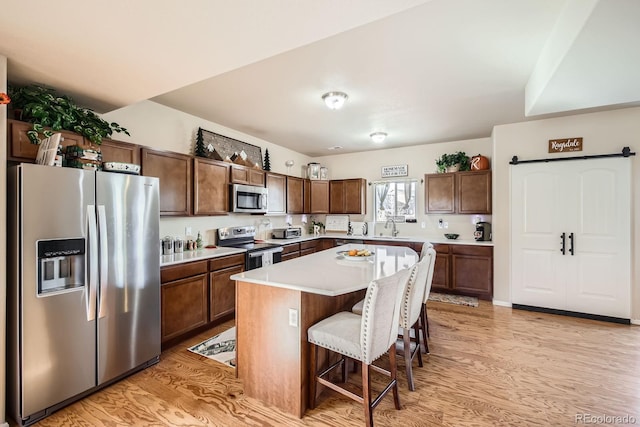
(248, 199)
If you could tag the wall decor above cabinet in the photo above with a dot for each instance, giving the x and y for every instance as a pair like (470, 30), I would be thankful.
(227, 149)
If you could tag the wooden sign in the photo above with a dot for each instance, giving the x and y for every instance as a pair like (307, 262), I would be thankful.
(390, 171)
(564, 145)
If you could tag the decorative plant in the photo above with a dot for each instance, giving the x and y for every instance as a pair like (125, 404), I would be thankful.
(448, 160)
(45, 108)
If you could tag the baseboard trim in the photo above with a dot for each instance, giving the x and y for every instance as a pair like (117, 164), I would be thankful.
(635, 321)
(501, 303)
(572, 314)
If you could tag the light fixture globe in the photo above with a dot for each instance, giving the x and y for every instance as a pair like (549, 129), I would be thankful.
(334, 100)
(378, 137)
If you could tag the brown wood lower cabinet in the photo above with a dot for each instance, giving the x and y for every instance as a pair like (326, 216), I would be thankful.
(183, 299)
(223, 289)
(308, 247)
(290, 251)
(464, 270)
(196, 295)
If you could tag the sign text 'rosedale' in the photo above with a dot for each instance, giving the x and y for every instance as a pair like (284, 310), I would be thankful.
(567, 144)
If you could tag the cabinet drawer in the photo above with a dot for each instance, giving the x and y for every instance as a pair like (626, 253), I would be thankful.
(483, 251)
(291, 255)
(308, 244)
(226, 261)
(292, 247)
(308, 251)
(181, 271)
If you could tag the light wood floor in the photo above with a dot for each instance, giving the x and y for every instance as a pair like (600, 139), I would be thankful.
(489, 366)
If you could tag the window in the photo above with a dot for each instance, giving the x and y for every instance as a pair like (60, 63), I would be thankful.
(395, 199)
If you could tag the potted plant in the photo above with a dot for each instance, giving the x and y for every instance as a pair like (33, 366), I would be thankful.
(458, 161)
(45, 108)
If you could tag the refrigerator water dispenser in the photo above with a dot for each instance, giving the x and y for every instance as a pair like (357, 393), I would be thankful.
(60, 265)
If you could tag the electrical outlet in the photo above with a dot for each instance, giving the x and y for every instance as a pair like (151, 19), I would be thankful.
(445, 224)
(423, 224)
(187, 231)
(293, 317)
(440, 223)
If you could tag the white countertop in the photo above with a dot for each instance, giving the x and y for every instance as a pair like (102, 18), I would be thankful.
(197, 255)
(327, 273)
(387, 238)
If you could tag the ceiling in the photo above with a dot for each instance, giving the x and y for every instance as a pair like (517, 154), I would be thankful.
(422, 71)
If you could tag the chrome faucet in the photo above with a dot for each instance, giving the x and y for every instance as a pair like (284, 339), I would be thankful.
(394, 231)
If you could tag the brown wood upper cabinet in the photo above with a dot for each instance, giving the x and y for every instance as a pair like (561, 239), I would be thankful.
(174, 171)
(458, 192)
(295, 195)
(277, 197)
(20, 148)
(348, 196)
(118, 151)
(246, 175)
(210, 187)
(319, 197)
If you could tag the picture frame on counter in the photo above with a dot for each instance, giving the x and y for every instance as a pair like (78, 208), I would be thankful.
(394, 171)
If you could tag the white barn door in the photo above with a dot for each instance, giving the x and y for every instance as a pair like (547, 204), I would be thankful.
(585, 207)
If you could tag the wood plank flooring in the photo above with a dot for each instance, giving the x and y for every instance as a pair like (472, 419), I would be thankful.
(489, 366)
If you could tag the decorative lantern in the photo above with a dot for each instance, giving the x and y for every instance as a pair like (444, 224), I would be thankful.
(479, 163)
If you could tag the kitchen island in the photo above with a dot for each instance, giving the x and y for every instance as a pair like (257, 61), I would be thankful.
(276, 305)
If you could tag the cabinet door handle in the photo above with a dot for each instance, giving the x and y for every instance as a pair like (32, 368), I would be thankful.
(563, 239)
(571, 247)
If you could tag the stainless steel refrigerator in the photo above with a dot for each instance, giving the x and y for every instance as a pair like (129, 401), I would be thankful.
(83, 285)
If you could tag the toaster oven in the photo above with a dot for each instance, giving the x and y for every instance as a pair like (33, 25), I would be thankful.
(286, 233)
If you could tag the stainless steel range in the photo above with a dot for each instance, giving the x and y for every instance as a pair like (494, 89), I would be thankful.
(259, 254)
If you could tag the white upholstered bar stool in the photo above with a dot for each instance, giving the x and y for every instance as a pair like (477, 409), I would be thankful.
(410, 315)
(430, 252)
(362, 338)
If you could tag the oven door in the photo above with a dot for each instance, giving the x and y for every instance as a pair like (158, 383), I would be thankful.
(263, 258)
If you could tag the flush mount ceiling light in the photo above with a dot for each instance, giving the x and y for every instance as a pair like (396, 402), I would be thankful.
(378, 137)
(334, 100)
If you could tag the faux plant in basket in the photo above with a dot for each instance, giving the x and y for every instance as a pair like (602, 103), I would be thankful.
(458, 161)
(45, 108)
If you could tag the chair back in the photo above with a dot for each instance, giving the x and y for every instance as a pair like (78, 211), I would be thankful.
(431, 254)
(414, 293)
(379, 325)
(425, 248)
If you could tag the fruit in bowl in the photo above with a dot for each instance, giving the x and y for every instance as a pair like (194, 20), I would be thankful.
(451, 236)
(359, 252)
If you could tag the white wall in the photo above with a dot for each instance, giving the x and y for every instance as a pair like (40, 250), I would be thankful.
(602, 133)
(3, 236)
(163, 128)
(420, 160)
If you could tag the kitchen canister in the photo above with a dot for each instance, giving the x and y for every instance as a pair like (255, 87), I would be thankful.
(167, 246)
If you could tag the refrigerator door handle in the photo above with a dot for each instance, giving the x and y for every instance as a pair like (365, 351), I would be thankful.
(92, 273)
(104, 260)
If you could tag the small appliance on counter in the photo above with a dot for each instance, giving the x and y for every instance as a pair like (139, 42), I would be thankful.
(337, 224)
(286, 233)
(358, 228)
(483, 231)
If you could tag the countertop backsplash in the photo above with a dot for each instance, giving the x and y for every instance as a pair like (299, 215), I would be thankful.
(464, 225)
